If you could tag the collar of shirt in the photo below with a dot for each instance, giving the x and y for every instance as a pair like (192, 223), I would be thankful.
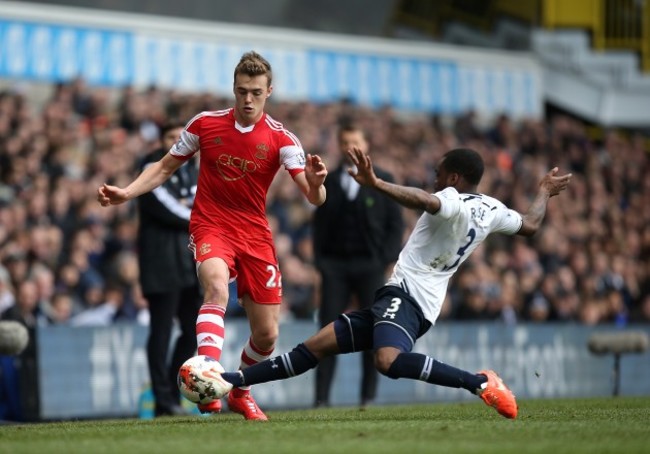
(349, 185)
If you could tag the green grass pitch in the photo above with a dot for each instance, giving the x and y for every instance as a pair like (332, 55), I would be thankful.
(603, 425)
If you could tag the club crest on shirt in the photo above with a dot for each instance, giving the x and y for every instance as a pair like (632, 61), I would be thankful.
(262, 151)
(205, 248)
(217, 140)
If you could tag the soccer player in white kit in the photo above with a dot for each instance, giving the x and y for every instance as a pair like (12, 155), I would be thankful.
(455, 221)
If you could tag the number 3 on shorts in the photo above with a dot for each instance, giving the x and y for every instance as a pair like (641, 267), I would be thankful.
(392, 310)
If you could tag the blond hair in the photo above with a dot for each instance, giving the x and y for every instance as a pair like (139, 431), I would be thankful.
(253, 64)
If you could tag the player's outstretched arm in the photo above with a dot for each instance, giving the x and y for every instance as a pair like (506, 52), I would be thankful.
(407, 196)
(551, 185)
(150, 178)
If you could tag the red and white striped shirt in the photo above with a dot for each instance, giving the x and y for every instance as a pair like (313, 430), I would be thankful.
(237, 166)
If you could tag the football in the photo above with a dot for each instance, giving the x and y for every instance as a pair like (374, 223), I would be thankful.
(13, 338)
(199, 380)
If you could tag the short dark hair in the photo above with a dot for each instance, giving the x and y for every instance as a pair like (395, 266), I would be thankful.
(350, 126)
(169, 125)
(253, 64)
(465, 162)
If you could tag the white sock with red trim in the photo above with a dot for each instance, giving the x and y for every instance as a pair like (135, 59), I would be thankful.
(210, 330)
(250, 355)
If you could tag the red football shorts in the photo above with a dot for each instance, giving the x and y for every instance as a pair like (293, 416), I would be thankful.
(255, 266)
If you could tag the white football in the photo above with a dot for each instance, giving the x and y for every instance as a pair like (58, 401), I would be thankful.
(200, 381)
(13, 338)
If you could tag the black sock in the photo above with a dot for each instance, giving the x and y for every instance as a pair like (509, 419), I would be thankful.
(421, 367)
(296, 362)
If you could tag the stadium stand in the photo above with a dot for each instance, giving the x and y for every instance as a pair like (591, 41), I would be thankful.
(62, 254)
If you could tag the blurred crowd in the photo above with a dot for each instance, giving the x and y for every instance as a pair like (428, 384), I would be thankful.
(66, 260)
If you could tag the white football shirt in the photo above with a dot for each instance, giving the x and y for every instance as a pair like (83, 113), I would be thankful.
(440, 242)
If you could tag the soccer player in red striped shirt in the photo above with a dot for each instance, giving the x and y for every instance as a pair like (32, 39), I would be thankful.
(242, 149)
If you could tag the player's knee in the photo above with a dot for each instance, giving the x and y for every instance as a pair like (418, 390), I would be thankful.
(265, 339)
(384, 360)
(216, 292)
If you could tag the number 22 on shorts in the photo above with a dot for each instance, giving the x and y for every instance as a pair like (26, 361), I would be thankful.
(275, 279)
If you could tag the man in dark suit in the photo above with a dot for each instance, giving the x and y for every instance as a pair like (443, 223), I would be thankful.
(167, 273)
(357, 235)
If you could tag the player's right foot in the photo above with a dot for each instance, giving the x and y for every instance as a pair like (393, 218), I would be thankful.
(497, 395)
(210, 407)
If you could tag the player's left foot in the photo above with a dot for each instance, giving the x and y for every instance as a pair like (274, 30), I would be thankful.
(242, 402)
(497, 395)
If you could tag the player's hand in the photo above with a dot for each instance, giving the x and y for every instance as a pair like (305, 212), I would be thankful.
(363, 174)
(111, 195)
(554, 184)
(315, 171)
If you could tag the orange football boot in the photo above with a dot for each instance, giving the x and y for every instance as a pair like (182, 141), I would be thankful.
(496, 394)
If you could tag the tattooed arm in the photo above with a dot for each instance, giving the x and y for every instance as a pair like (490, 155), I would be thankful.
(551, 185)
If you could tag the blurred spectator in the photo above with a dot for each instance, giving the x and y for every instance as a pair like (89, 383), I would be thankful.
(26, 310)
(538, 309)
(61, 309)
(17, 266)
(104, 312)
(7, 298)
